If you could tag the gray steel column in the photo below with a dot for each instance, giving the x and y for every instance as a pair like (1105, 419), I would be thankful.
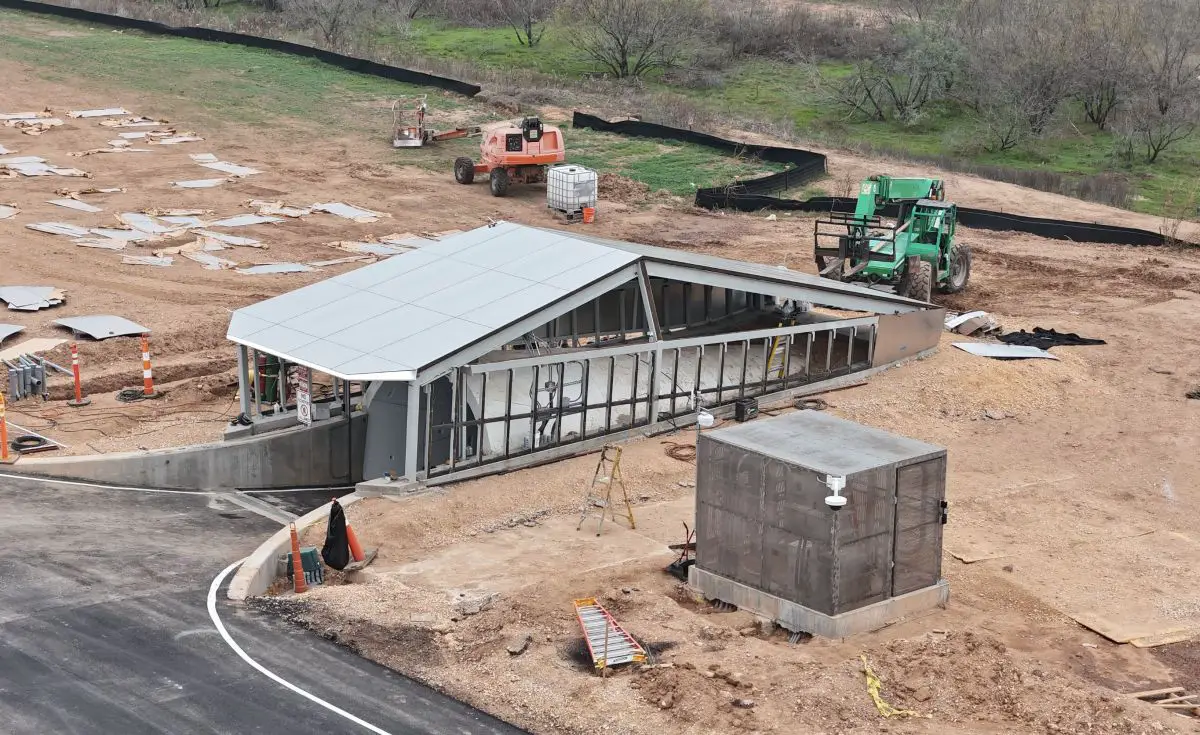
(648, 304)
(411, 429)
(243, 381)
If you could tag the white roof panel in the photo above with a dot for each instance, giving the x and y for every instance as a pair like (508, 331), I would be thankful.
(391, 319)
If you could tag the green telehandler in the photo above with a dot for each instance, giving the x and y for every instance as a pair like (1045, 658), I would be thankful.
(915, 254)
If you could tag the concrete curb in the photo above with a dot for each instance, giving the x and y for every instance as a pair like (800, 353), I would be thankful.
(256, 574)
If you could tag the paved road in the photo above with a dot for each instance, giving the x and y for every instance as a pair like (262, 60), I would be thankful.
(104, 628)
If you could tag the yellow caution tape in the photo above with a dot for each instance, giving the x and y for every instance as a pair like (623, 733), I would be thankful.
(873, 687)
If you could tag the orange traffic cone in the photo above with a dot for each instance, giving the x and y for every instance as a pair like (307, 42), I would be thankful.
(356, 549)
(297, 564)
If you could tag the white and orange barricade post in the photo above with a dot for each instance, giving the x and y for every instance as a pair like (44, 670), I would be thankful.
(5, 457)
(147, 372)
(79, 400)
(297, 563)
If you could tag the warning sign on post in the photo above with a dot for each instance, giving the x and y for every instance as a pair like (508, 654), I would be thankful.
(304, 406)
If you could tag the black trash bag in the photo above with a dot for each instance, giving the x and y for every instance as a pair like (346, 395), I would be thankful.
(336, 551)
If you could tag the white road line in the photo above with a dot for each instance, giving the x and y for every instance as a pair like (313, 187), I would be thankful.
(98, 486)
(212, 613)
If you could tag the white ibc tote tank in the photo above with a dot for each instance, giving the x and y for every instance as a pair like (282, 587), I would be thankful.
(570, 188)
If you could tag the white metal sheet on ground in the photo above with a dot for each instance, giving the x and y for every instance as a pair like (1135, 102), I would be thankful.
(30, 347)
(183, 221)
(113, 233)
(235, 240)
(132, 122)
(6, 116)
(1003, 351)
(954, 321)
(75, 204)
(369, 248)
(7, 211)
(30, 168)
(102, 326)
(349, 211)
(338, 261)
(161, 261)
(8, 330)
(4, 151)
(244, 220)
(146, 223)
(203, 157)
(135, 135)
(30, 298)
(199, 183)
(232, 169)
(270, 268)
(104, 112)
(21, 160)
(60, 228)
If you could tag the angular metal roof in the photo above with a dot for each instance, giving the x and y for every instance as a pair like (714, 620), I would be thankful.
(389, 320)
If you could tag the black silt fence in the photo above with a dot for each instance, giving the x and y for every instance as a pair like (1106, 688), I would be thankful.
(756, 194)
(350, 63)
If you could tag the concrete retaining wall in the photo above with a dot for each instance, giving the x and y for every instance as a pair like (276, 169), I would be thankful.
(326, 454)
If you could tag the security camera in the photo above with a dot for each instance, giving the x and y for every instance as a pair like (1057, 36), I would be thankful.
(835, 484)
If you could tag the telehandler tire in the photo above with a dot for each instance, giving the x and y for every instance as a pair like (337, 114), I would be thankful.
(960, 269)
(917, 282)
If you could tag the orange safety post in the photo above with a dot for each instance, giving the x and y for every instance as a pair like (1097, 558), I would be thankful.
(297, 564)
(356, 549)
(147, 373)
(3, 433)
(79, 399)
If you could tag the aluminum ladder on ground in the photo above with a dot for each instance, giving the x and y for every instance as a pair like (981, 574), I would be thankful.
(608, 473)
(779, 345)
(607, 641)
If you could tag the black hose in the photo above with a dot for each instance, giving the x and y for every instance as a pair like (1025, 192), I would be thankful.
(811, 404)
(28, 442)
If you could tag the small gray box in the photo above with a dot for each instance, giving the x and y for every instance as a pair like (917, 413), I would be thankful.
(762, 521)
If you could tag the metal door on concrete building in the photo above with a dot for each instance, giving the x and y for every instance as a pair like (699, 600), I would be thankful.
(917, 555)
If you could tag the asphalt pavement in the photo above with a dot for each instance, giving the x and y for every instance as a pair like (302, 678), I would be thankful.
(104, 628)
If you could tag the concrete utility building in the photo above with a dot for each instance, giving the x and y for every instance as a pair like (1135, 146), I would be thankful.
(509, 345)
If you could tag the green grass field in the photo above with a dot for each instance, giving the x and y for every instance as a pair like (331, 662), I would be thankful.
(775, 91)
(230, 84)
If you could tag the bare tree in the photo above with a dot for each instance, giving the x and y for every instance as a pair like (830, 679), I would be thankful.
(631, 37)
(409, 9)
(1143, 128)
(527, 18)
(1107, 47)
(1171, 51)
(333, 22)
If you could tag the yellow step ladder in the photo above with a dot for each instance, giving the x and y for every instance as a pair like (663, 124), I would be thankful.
(599, 495)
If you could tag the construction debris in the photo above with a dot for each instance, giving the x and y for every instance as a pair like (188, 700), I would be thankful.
(231, 168)
(147, 224)
(106, 112)
(133, 122)
(8, 210)
(75, 204)
(234, 240)
(873, 686)
(119, 149)
(272, 268)
(1003, 352)
(199, 245)
(30, 347)
(199, 183)
(339, 261)
(1172, 698)
(75, 194)
(31, 298)
(103, 243)
(277, 208)
(4, 151)
(35, 127)
(972, 323)
(368, 248)
(156, 260)
(125, 234)
(176, 139)
(348, 211)
(32, 166)
(176, 212)
(244, 220)
(9, 116)
(203, 157)
(208, 262)
(102, 326)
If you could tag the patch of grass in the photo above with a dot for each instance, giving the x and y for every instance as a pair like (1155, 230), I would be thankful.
(498, 48)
